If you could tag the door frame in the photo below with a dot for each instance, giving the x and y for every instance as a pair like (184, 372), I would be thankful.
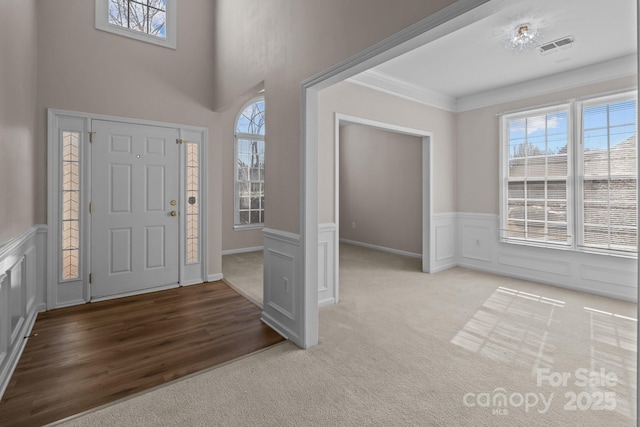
(447, 20)
(68, 293)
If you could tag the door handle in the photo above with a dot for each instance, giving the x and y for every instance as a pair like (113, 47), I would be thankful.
(174, 213)
(173, 203)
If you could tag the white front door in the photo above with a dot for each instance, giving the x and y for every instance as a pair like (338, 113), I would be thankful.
(135, 190)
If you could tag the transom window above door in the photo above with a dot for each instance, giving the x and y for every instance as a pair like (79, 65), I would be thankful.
(152, 21)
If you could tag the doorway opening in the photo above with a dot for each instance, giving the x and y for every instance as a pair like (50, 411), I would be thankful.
(431, 28)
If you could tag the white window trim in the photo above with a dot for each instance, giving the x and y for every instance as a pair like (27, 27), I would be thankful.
(575, 173)
(504, 176)
(102, 23)
(237, 136)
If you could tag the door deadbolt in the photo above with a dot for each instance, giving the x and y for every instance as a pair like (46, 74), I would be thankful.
(174, 213)
(172, 203)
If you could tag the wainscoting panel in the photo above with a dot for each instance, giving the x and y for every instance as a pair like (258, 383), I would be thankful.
(22, 290)
(475, 240)
(282, 283)
(5, 323)
(479, 249)
(538, 265)
(17, 298)
(327, 260)
(444, 242)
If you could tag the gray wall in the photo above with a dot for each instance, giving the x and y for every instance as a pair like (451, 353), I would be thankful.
(285, 42)
(478, 144)
(53, 57)
(20, 194)
(355, 100)
(381, 188)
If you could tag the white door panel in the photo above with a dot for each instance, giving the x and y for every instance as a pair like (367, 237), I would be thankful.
(134, 236)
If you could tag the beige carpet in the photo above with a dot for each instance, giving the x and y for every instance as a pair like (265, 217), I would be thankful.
(406, 348)
(243, 272)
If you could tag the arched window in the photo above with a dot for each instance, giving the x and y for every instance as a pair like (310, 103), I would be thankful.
(249, 165)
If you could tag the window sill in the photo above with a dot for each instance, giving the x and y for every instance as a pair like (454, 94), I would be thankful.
(114, 29)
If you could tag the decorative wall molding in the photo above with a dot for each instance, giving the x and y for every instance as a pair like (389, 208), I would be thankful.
(22, 295)
(283, 293)
(327, 265)
(470, 240)
(478, 248)
(444, 241)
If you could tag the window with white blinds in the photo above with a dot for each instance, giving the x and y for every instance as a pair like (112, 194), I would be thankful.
(571, 179)
(537, 185)
(609, 181)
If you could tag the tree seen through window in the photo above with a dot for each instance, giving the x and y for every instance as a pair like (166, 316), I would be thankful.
(145, 16)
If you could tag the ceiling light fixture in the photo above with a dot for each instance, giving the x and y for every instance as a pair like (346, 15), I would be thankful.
(525, 38)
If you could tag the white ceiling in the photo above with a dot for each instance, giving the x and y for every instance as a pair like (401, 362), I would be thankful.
(461, 69)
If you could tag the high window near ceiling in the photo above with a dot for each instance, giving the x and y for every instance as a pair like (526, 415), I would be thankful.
(569, 175)
(152, 21)
(249, 166)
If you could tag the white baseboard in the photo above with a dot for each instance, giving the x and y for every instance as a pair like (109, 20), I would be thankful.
(215, 277)
(327, 302)
(242, 250)
(382, 248)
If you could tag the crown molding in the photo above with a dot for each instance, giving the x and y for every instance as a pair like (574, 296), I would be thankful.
(608, 70)
(596, 73)
(383, 82)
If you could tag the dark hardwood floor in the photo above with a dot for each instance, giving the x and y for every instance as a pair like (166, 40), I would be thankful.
(82, 357)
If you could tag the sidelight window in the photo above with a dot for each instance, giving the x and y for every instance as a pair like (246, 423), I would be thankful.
(70, 206)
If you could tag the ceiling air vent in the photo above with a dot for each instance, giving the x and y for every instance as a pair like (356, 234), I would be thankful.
(556, 45)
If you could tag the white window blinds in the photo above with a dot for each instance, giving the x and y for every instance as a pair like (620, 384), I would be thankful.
(570, 175)
(537, 188)
(609, 181)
